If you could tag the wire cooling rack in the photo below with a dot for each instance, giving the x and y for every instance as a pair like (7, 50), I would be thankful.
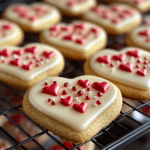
(132, 123)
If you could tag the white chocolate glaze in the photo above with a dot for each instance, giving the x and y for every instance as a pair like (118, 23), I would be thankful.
(51, 14)
(89, 42)
(23, 74)
(140, 40)
(75, 8)
(92, 16)
(9, 34)
(114, 73)
(66, 114)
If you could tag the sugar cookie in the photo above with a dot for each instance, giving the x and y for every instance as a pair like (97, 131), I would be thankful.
(78, 40)
(10, 33)
(127, 69)
(72, 7)
(141, 5)
(74, 109)
(140, 37)
(34, 17)
(24, 67)
(115, 18)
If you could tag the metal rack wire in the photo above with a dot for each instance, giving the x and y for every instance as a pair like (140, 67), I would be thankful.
(115, 136)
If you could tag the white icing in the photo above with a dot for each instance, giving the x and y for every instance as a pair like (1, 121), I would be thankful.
(74, 9)
(67, 115)
(54, 13)
(71, 44)
(139, 39)
(92, 16)
(131, 79)
(10, 34)
(23, 74)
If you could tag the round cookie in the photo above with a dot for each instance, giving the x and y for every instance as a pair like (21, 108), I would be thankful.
(78, 40)
(74, 109)
(72, 7)
(28, 127)
(4, 144)
(127, 69)
(24, 67)
(139, 37)
(10, 33)
(87, 146)
(115, 19)
(141, 5)
(34, 17)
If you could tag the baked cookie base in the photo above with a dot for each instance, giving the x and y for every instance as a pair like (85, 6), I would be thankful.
(67, 133)
(127, 91)
(72, 53)
(116, 31)
(25, 84)
(14, 41)
(133, 44)
(38, 28)
(143, 9)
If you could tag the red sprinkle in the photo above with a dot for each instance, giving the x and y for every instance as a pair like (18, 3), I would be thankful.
(64, 92)
(88, 89)
(80, 93)
(87, 97)
(66, 84)
(99, 94)
(137, 66)
(53, 103)
(49, 100)
(98, 102)
(111, 65)
(74, 88)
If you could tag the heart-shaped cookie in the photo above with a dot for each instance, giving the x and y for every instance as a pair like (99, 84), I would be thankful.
(78, 40)
(140, 37)
(71, 110)
(10, 33)
(130, 74)
(115, 19)
(72, 7)
(24, 66)
(141, 5)
(34, 17)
